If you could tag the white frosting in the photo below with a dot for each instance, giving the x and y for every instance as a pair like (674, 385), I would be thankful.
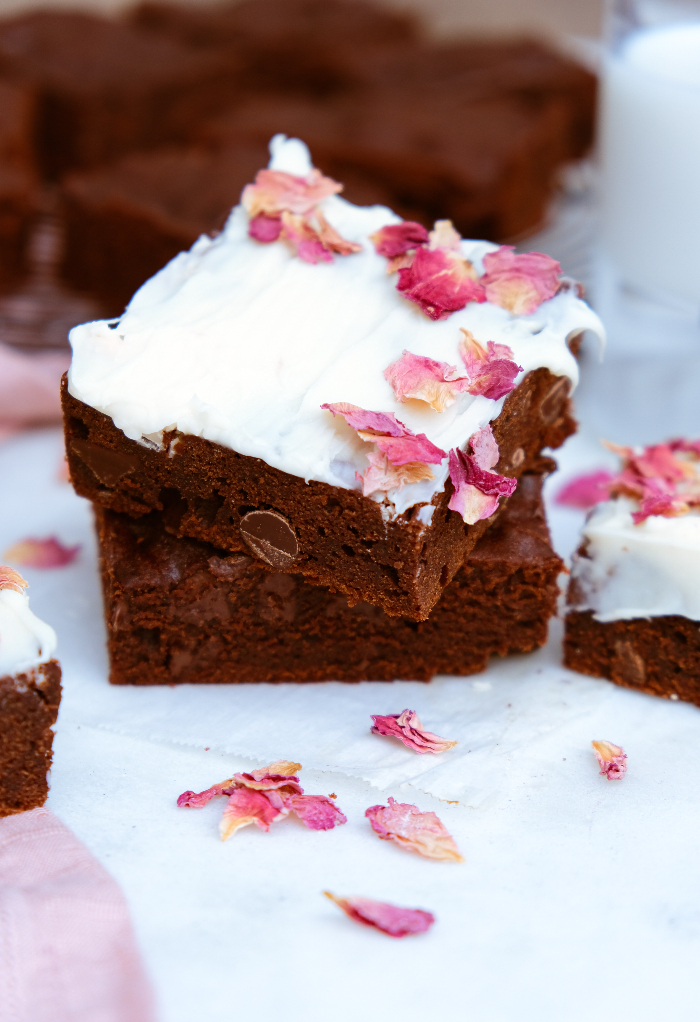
(25, 641)
(636, 571)
(241, 343)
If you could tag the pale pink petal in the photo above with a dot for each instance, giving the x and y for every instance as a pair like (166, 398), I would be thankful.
(390, 919)
(394, 439)
(413, 830)
(317, 812)
(331, 240)
(382, 423)
(519, 283)
(443, 235)
(282, 767)
(407, 449)
(11, 579)
(382, 475)
(265, 228)
(472, 504)
(259, 781)
(485, 448)
(42, 553)
(423, 379)
(585, 490)
(275, 191)
(491, 370)
(408, 729)
(662, 505)
(304, 239)
(612, 760)
(440, 282)
(398, 239)
(467, 476)
(245, 807)
(664, 478)
(197, 800)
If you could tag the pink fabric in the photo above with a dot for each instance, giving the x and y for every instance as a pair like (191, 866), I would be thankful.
(67, 949)
(29, 388)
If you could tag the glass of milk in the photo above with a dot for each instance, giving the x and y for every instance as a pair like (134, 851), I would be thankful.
(650, 147)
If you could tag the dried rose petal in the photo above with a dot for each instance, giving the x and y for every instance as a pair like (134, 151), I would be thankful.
(484, 447)
(413, 830)
(245, 807)
(443, 235)
(585, 490)
(304, 239)
(467, 477)
(197, 800)
(663, 478)
(408, 729)
(440, 282)
(612, 760)
(519, 283)
(11, 579)
(398, 239)
(390, 919)
(317, 812)
(491, 370)
(264, 228)
(400, 444)
(382, 423)
(268, 782)
(423, 379)
(382, 475)
(275, 191)
(331, 240)
(42, 553)
(660, 504)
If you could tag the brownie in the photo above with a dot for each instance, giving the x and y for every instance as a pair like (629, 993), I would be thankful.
(124, 222)
(179, 610)
(18, 180)
(333, 536)
(659, 655)
(28, 710)
(103, 88)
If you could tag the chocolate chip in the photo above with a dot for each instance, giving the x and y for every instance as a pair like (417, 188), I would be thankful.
(270, 537)
(554, 401)
(108, 465)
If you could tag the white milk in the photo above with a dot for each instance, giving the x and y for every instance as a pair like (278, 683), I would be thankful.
(650, 146)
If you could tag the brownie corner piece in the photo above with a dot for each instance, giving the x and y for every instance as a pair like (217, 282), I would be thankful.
(29, 702)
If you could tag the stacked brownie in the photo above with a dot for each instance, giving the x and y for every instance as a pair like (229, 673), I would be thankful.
(289, 481)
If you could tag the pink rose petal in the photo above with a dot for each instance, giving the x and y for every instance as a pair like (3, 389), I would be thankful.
(519, 283)
(398, 239)
(407, 727)
(485, 448)
(467, 477)
(331, 240)
(317, 812)
(245, 807)
(440, 282)
(612, 760)
(11, 579)
(664, 478)
(585, 490)
(409, 448)
(443, 235)
(491, 370)
(264, 228)
(413, 830)
(304, 239)
(275, 191)
(197, 800)
(382, 423)
(383, 476)
(42, 553)
(423, 379)
(390, 919)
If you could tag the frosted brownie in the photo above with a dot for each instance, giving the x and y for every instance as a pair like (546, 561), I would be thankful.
(317, 385)
(183, 611)
(30, 693)
(634, 595)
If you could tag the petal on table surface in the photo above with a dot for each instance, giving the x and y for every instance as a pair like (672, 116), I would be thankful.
(413, 830)
(390, 919)
(42, 553)
(406, 726)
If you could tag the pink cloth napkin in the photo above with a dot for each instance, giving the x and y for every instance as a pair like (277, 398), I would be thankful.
(67, 948)
(29, 388)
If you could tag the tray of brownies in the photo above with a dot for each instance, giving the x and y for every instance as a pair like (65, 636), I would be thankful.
(317, 550)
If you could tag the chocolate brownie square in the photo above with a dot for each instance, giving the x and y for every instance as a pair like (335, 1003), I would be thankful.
(29, 703)
(18, 180)
(179, 610)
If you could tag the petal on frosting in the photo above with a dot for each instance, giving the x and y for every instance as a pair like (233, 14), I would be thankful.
(408, 729)
(42, 553)
(584, 491)
(443, 235)
(485, 448)
(304, 239)
(382, 423)
(11, 579)
(404, 449)
(245, 807)
(413, 830)
(390, 919)
(420, 378)
(275, 191)
(265, 228)
(467, 476)
(317, 812)
(612, 760)
(440, 282)
(491, 370)
(331, 240)
(197, 800)
(382, 475)
(519, 283)
(662, 477)
(662, 504)
(398, 239)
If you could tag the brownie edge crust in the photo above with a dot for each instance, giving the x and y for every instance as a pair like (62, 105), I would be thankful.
(29, 704)
(658, 655)
(204, 492)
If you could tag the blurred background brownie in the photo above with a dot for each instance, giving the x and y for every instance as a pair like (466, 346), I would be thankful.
(182, 611)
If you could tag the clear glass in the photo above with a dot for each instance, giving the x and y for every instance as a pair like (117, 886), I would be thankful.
(650, 146)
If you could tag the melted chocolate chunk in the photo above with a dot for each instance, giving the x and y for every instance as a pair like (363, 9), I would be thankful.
(270, 537)
(109, 466)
